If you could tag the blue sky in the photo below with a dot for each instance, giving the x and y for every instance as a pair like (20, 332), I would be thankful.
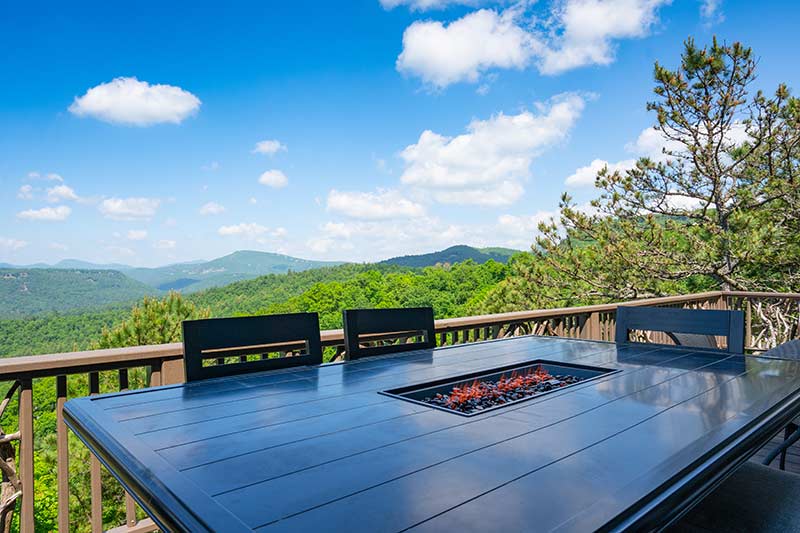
(130, 132)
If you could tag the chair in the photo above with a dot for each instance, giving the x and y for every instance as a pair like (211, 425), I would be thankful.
(242, 345)
(686, 327)
(380, 324)
(754, 498)
(791, 433)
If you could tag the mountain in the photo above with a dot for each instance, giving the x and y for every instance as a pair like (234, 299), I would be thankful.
(192, 276)
(241, 265)
(25, 292)
(454, 254)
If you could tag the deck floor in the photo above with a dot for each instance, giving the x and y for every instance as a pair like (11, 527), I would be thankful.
(792, 456)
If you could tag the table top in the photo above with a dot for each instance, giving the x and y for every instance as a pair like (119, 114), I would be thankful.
(319, 449)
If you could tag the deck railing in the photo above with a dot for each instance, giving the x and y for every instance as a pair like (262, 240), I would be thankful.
(771, 318)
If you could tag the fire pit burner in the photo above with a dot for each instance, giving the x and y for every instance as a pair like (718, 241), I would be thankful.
(475, 393)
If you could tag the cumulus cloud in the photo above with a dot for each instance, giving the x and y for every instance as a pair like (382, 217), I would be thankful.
(132, 102)
(129, 208)
(575, 33)
(25, 192)
(137, 235)
(585, 176)
(49, 214)
(274, 178)
(212, 208)
(462, 50)
(244, 229)
(492, 157)
(269, 147)
(60, 193)
(253, 231)
(652, 144)
(588, 29)
(379, 205)
(711, 12)
(45, 177)
(10, 245)
(519, 231)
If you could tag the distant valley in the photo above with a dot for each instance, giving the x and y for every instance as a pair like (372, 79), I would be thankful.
(73, 285)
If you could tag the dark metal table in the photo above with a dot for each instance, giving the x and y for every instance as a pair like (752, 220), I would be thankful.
(319, 449)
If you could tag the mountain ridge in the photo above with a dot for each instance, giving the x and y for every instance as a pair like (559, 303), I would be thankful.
(454, 254)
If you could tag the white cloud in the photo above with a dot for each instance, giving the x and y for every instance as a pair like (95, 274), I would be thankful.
(465, 48)
(137, 235)
(244, 229)
(279, 232)
(61, 193)
(273, 178)
(652, 144)
(585, 176)
(50, 214)
(380, 205)
(269, 147)
(576, 33)
(46, 177)
(164, 244)
(11, 245)
(58, 246)
(504, 193)
(132, 102)
(710, 11)
(253, 200)
(492, 157)
(212, 208)
(520, 231)
(588, 29)
(129, 208)
(25, 192)
(425, 5)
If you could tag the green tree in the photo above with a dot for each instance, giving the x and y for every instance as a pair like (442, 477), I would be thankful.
(154, 321)
(721, 209)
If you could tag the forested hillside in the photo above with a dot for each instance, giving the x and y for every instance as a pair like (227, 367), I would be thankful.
(452, 290)
(25, 292)
(454, 254)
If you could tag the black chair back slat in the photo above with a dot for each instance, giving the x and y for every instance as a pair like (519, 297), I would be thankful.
(674, 321)
(220, 338)
(387, 323)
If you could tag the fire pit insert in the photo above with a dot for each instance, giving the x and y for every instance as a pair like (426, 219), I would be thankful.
(479, 392)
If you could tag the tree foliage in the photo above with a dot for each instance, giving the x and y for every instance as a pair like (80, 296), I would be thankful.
(153, 321)
(720, 209)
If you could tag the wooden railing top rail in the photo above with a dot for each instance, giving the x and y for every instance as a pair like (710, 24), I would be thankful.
(109, 359)
(776, 295)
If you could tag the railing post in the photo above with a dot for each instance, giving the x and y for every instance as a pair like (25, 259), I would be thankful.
(26, 519)
(95, 474)
(748, 323)
(172, 372)
(62, 449)
(594, 326)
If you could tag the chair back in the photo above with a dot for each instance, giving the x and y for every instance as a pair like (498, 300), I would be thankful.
(216, 347)
(383, 328)
(686, 327)
(787, 350)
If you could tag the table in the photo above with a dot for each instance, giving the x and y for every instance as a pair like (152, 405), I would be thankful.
(320, 449)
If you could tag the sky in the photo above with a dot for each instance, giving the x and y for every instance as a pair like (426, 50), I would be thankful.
(151, 133)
